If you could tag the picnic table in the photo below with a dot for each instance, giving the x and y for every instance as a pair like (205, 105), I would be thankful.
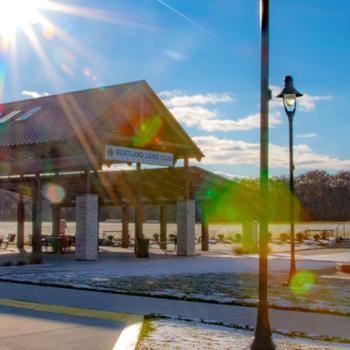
(60, 244)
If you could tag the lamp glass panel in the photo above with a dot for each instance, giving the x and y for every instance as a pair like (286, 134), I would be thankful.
(289, 101)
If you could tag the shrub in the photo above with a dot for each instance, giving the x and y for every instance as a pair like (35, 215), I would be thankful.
(238, 238)
(221, 237)
(300, 237)
(156, 237)
(316, 237)
(240, 250)
(324, 235)
(284, 237)
(21, 262)
(306, 235)
(230, 237)
(7, 263)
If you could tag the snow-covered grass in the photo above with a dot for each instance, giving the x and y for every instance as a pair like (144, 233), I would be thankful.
(183, 335)
(326, 291)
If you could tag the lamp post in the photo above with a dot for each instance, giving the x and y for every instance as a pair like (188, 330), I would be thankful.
(289, 94)
(262, 338)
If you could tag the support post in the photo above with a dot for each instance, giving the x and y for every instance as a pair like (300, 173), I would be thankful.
(56, 217)
(87, 227)
(186, 219)
(138, 210)
(138, 223)
(163, 227)
(204, 227)
(125, 226)
(263, 335)
(293, 269)
(20, 221)
(187, 183)
(36, 257)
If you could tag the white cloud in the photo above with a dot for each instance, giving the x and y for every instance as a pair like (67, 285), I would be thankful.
(176, 98)
(208, 120)
(177, 56)
(308, 135)
(193, 110)
(190, 111)
(34, 94)
(307, 103)
(237, 152)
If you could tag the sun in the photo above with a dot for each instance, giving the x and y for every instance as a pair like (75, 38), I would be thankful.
(15, 14)
(42, 23)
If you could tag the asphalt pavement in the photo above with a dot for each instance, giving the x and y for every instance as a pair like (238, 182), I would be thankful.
(38, 326)
(315, 323)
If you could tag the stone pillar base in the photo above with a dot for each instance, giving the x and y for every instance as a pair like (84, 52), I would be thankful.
(186, 220)
(86, 212)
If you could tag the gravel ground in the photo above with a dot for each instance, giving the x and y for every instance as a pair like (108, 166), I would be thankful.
(181, 335)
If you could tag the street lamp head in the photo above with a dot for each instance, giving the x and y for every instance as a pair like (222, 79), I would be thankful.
(289, 95)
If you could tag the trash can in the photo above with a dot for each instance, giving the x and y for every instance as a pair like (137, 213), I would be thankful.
(143, 248)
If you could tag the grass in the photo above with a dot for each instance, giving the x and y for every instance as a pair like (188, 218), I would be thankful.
(318, 291)
(147, 328)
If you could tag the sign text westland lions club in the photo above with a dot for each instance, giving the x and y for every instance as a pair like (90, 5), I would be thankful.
(135, 155)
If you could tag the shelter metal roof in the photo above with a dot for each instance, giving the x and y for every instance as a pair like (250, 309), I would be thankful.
(58, 115)
(51, 131)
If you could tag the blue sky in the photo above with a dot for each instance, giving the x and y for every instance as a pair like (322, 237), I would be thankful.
(202, 58)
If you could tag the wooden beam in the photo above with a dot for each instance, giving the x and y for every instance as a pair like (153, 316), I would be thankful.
(22, 167)
(125, 141)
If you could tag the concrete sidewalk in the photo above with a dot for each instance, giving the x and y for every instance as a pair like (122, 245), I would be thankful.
(124, 263)
(310, 323)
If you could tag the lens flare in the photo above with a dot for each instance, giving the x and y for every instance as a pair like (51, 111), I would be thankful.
(240, 201)
(54, 193)
(25, 190)
(2, 78)
(147, 131)
(302, 282)
(5, 168)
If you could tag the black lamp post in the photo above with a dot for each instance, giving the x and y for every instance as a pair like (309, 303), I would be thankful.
(289, 94)
(263, 339)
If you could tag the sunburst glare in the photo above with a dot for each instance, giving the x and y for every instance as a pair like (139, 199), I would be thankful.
(33, 18)
(17, 14)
